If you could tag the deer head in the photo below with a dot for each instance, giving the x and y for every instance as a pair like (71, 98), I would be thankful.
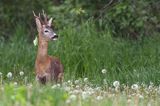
(44, 27)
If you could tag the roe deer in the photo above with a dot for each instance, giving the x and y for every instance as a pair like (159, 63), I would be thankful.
(48, 69)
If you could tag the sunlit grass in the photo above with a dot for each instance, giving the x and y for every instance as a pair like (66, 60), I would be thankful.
(80, 92)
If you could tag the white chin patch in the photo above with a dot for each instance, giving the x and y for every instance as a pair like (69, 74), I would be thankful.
(54, 39)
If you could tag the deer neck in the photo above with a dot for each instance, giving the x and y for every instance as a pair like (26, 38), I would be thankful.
(42, 49)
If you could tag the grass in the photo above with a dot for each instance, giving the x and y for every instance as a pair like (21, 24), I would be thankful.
(77, 93)
(84, 52)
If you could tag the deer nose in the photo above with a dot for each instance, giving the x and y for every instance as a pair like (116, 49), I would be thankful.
(54, 37)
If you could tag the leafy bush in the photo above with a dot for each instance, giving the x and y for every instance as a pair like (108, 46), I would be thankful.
(130, 19)
(122, 18)
(17, 12)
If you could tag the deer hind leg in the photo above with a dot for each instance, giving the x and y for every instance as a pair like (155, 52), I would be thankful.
(60, 78)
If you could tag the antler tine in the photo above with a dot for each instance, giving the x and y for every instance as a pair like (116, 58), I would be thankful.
(45, 17)
(35, 15)
(43, 12)
(39, 14)
(39, 17)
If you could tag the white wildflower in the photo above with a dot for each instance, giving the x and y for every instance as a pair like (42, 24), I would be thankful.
(76, 82)
(76, 91)
(150, 87)
(68, 101)
(141, 97)
(134, 87)
(15, 83)
(69, 82)
(151, 83)
(73, 97)
(133, 94)
(77, 86)
(129, 100)
(98, 88)
(85, 80)
(9, 75)
(84, 95)
(90, 89)
(58, 85)
(21, 73)
(91, 92)
(104, 71)
(67, 88)
(54, 86)
(116, 84)
(99, 97)
(104, 81)
(86, 87)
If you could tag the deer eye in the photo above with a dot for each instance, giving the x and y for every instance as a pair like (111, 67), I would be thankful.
(46, 31)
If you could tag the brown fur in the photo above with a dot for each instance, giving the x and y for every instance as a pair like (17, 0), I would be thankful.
(48, 69)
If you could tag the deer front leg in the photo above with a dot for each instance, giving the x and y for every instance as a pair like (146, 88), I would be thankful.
(43, 79)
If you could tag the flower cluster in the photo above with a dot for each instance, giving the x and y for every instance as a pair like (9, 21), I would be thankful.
(83, 90)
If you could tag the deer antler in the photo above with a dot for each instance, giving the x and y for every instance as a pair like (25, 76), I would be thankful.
(45, 17)
(36, 15)
(39, 17)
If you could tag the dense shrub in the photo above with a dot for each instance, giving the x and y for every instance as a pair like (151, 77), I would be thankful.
(131, 19)
(125, 18)
(17, 12)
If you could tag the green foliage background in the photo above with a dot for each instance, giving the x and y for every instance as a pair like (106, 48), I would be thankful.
(119, 35)
(122, 17)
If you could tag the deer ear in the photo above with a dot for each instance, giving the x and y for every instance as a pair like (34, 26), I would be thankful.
(50, 22)
(38, 23)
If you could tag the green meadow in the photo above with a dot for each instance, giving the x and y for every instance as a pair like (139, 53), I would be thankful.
(84, 52)
(110, 50)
